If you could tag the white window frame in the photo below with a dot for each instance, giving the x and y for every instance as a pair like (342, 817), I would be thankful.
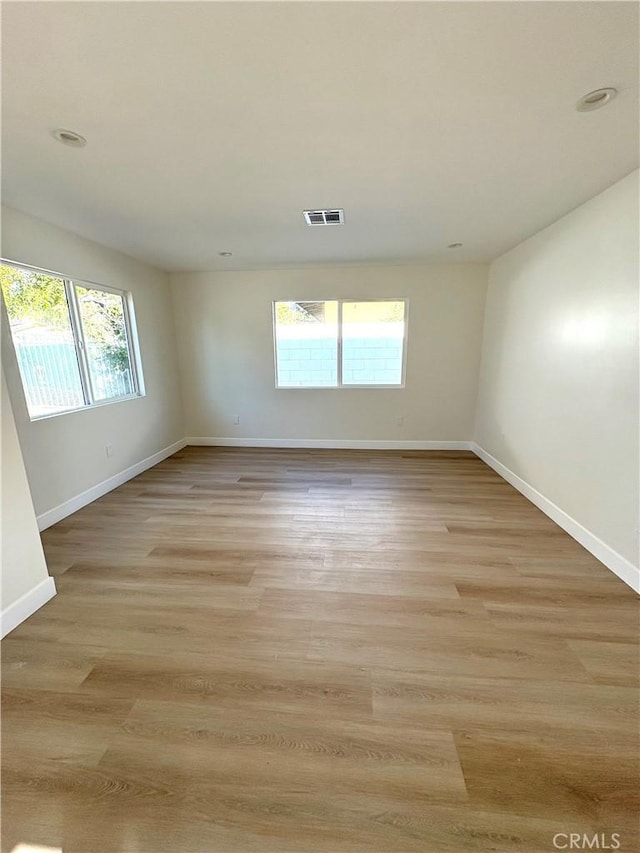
(75, 323)
(340, 385)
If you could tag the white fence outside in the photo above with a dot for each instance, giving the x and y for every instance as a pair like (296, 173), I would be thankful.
(307, 355)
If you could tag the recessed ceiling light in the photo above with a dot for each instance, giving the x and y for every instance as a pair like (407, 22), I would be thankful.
(225, 254)
(454, 246)
(596, 99)
(70, 137)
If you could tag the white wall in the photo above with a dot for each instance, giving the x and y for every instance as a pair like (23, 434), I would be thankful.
(25, 582)
(558, 399)
(65, 455)
(225, 343)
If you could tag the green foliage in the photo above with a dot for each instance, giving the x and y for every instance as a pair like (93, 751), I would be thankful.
(104, 327)
(291, 313)
(36, 299)
(393, 313)
(367, 311)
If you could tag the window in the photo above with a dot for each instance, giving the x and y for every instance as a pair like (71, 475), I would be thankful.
(73, 341)
(340, 343)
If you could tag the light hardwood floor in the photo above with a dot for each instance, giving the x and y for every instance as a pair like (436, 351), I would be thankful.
(259, 650)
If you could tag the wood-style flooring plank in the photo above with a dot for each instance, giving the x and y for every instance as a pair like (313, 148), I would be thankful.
(304, 651)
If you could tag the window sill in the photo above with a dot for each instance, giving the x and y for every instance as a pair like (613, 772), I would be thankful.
(97, 405)
(339, 387)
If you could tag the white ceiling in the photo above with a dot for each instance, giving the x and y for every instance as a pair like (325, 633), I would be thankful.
(212, 125)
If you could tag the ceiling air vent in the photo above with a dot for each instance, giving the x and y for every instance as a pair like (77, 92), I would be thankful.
(324, 217)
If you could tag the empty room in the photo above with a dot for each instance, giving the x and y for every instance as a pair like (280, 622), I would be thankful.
(320, 427)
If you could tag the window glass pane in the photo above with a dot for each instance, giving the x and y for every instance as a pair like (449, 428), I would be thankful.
(41, 331)
(372, 342)
(107, 347)
(306, 344)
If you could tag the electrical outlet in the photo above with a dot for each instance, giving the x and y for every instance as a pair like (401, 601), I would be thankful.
(400, 420)
(236, 419)
(109, 450)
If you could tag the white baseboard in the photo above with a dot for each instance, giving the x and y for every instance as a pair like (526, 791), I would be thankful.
(618, 564)
(57, 513)
(328, 443)
(26, 605)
